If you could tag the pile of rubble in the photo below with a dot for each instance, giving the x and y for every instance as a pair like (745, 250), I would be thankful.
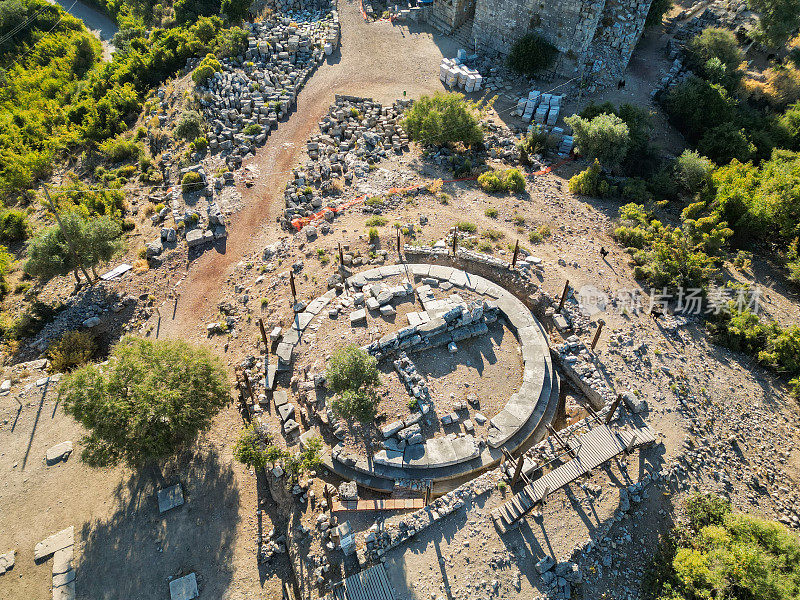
(356, 133)
(579, 364)
(245, 101)
(459, 322)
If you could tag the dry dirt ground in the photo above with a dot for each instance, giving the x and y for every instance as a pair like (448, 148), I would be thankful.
(126, 549)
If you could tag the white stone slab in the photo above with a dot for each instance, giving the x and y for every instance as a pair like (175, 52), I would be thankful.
(59, 452)
(57, 541)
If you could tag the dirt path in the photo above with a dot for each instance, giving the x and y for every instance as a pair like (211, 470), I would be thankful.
(95, 21)
(378, 60)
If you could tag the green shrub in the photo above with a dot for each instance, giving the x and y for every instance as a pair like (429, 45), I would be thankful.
(538, 236)
(443, 118)
(251, 448)
(778, 20)
(73, 349)
(530, 54)
(536, 141)
(189, 126)
(376, 221)
(206, 69)
(353, 374)
(191, 182)
(725, 143)
(693, 172)
(723, 554)
(492, 234)
(120, 149)
(466, 226)
(252, 129)
(696, 106)
(490, 182)
(715, 46)
(200, 144)
(590, 182)
(491, 213)
(514, 180)
(13, 226)
(605, 137)
(372, 233)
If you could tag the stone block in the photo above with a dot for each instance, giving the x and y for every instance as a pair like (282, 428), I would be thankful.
(184, 588)
(286, 411)
(6, 562)
(58, 452)
(169, 498)
(280, 397)
(56, 542)
(358, 317)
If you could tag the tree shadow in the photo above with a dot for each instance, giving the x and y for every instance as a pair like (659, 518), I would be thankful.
(136, 551)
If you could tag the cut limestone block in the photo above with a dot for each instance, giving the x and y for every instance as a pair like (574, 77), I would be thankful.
(62, 560)
(57, 541)
(169, 498)
(184, 588)
(58, 452)
(64, 592)
(6, 562)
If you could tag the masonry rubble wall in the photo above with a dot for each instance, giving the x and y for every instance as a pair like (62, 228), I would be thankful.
(595, 38)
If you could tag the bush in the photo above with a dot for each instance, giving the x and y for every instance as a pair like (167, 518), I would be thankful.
(351, 368)
(190, 125)
(491, 213)
(514, 180)
(372, 233)
(444, 118)
(73, 349)
(693, 172)
(536, 141)
(695, 106)
(725, 143)
(530, 54)
(206, 69)
(376, 221)
(200, 144)
(715, 44)
(182, 386)
(13, 226)
(605, 137)
(490, 182)
(722, 554)
(778, 19)
(466, 226)
(252, 129)
(590, 182)
(250, 448)
(121, 149)
(191, 182)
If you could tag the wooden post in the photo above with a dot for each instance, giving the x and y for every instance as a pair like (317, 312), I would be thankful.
(563, 296)
(293, 288)
(341, 255)
(613, 409)
(516, 254)
(600, 323)
(561, 408)
(518, 470)
(563, 444)
(326, 491)
(398, 243)
(455, 240)
(263, 335)
(631, 443)
(427, 493)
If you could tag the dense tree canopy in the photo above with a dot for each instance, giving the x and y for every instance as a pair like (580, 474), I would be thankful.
(443, 118)
(150, 400)
(353, 374)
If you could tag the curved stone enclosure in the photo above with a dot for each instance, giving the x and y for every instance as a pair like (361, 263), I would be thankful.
(524, 416)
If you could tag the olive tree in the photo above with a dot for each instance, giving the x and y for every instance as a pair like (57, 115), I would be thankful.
(606, 137)
(151, 399)
(353, 375)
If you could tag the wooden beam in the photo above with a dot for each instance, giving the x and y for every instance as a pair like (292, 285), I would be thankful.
(600, 323)
(613, 409)
(563, 296)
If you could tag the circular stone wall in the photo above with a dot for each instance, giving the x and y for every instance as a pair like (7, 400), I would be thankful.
(441, 325)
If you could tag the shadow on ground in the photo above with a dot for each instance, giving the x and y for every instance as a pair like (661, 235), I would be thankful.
(136, 551)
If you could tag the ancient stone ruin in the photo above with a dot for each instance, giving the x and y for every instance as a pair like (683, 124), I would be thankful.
(595, 38)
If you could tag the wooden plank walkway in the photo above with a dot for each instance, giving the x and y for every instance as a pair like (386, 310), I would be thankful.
(379, 504)
(369, 584)
(592, 449)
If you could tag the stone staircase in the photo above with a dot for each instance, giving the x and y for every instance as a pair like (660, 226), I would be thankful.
(438, 24)
(463, 35)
